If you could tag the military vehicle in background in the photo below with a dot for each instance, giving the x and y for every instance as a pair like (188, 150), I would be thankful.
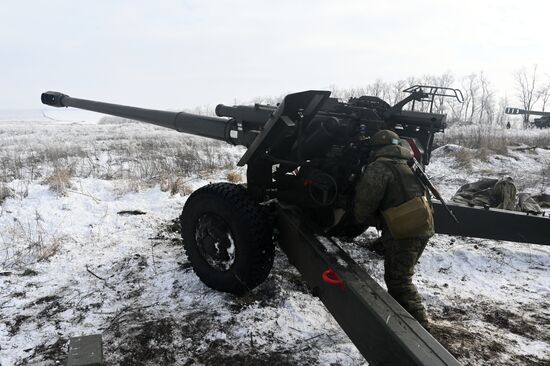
(304, 157)
(542, 122)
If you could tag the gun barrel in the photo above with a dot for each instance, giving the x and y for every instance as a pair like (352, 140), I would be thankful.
(509, 110)
(211, 127)
(257, 114)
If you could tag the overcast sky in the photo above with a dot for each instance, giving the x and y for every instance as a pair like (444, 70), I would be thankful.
(186, 53)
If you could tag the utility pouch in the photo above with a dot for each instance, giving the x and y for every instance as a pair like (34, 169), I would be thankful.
(411, 219)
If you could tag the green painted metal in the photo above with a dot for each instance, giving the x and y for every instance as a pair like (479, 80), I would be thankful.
(492, 223)
(211, 127)
(382, 330)
(85, 351)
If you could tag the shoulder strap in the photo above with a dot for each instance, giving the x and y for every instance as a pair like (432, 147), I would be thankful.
(397, 176)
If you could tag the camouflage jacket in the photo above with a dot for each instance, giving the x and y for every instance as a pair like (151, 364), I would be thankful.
(379, 188)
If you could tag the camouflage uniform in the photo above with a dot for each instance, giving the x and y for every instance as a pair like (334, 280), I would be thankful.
(377, 190)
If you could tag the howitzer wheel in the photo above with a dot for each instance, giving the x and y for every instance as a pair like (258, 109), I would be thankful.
(227, 237)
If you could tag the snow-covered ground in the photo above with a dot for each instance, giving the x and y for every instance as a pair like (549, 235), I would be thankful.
(73, 263)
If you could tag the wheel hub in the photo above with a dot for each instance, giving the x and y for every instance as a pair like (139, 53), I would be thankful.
(215, 241)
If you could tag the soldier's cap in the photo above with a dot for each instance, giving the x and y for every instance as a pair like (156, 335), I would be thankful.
(385, 137)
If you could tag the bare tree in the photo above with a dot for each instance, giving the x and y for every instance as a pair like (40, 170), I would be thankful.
(481, 104)
(455, 110)
(486, 108)
(500, 118)
(337, 92)
(471, 87)
(526, 89)
(378, 89)
(445, 80)
(411, 80)
(396, 91)
(544, 95)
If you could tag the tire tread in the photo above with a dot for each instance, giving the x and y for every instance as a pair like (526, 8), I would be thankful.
(261, 249)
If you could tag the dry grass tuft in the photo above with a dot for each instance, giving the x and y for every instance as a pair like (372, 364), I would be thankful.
(24, 243)
(186, 190)
(464, 157)
(175, 186)
(50, 248)
(483, 154)
(234, 177)
(60, 180)
(123, 186)
(491, 140)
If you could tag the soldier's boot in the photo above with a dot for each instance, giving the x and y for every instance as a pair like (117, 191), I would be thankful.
(408, 297)
(419, 313)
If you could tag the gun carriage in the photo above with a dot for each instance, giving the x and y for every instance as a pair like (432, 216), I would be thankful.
(303, 159)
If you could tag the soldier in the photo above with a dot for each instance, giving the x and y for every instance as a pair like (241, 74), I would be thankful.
(389, 182)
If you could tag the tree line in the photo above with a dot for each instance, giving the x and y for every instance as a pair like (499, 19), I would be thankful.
(481, 104)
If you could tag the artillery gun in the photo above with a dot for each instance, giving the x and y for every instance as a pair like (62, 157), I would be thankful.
(542, 122)
(303, 159)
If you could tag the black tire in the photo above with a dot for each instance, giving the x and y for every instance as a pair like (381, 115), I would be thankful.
(227, 237)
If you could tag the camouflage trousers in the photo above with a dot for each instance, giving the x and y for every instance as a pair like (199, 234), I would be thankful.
(401, 257)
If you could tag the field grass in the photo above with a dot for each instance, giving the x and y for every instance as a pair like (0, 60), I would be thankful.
(130, 156)
(132, 153)
(493, 139)
(71, 263)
